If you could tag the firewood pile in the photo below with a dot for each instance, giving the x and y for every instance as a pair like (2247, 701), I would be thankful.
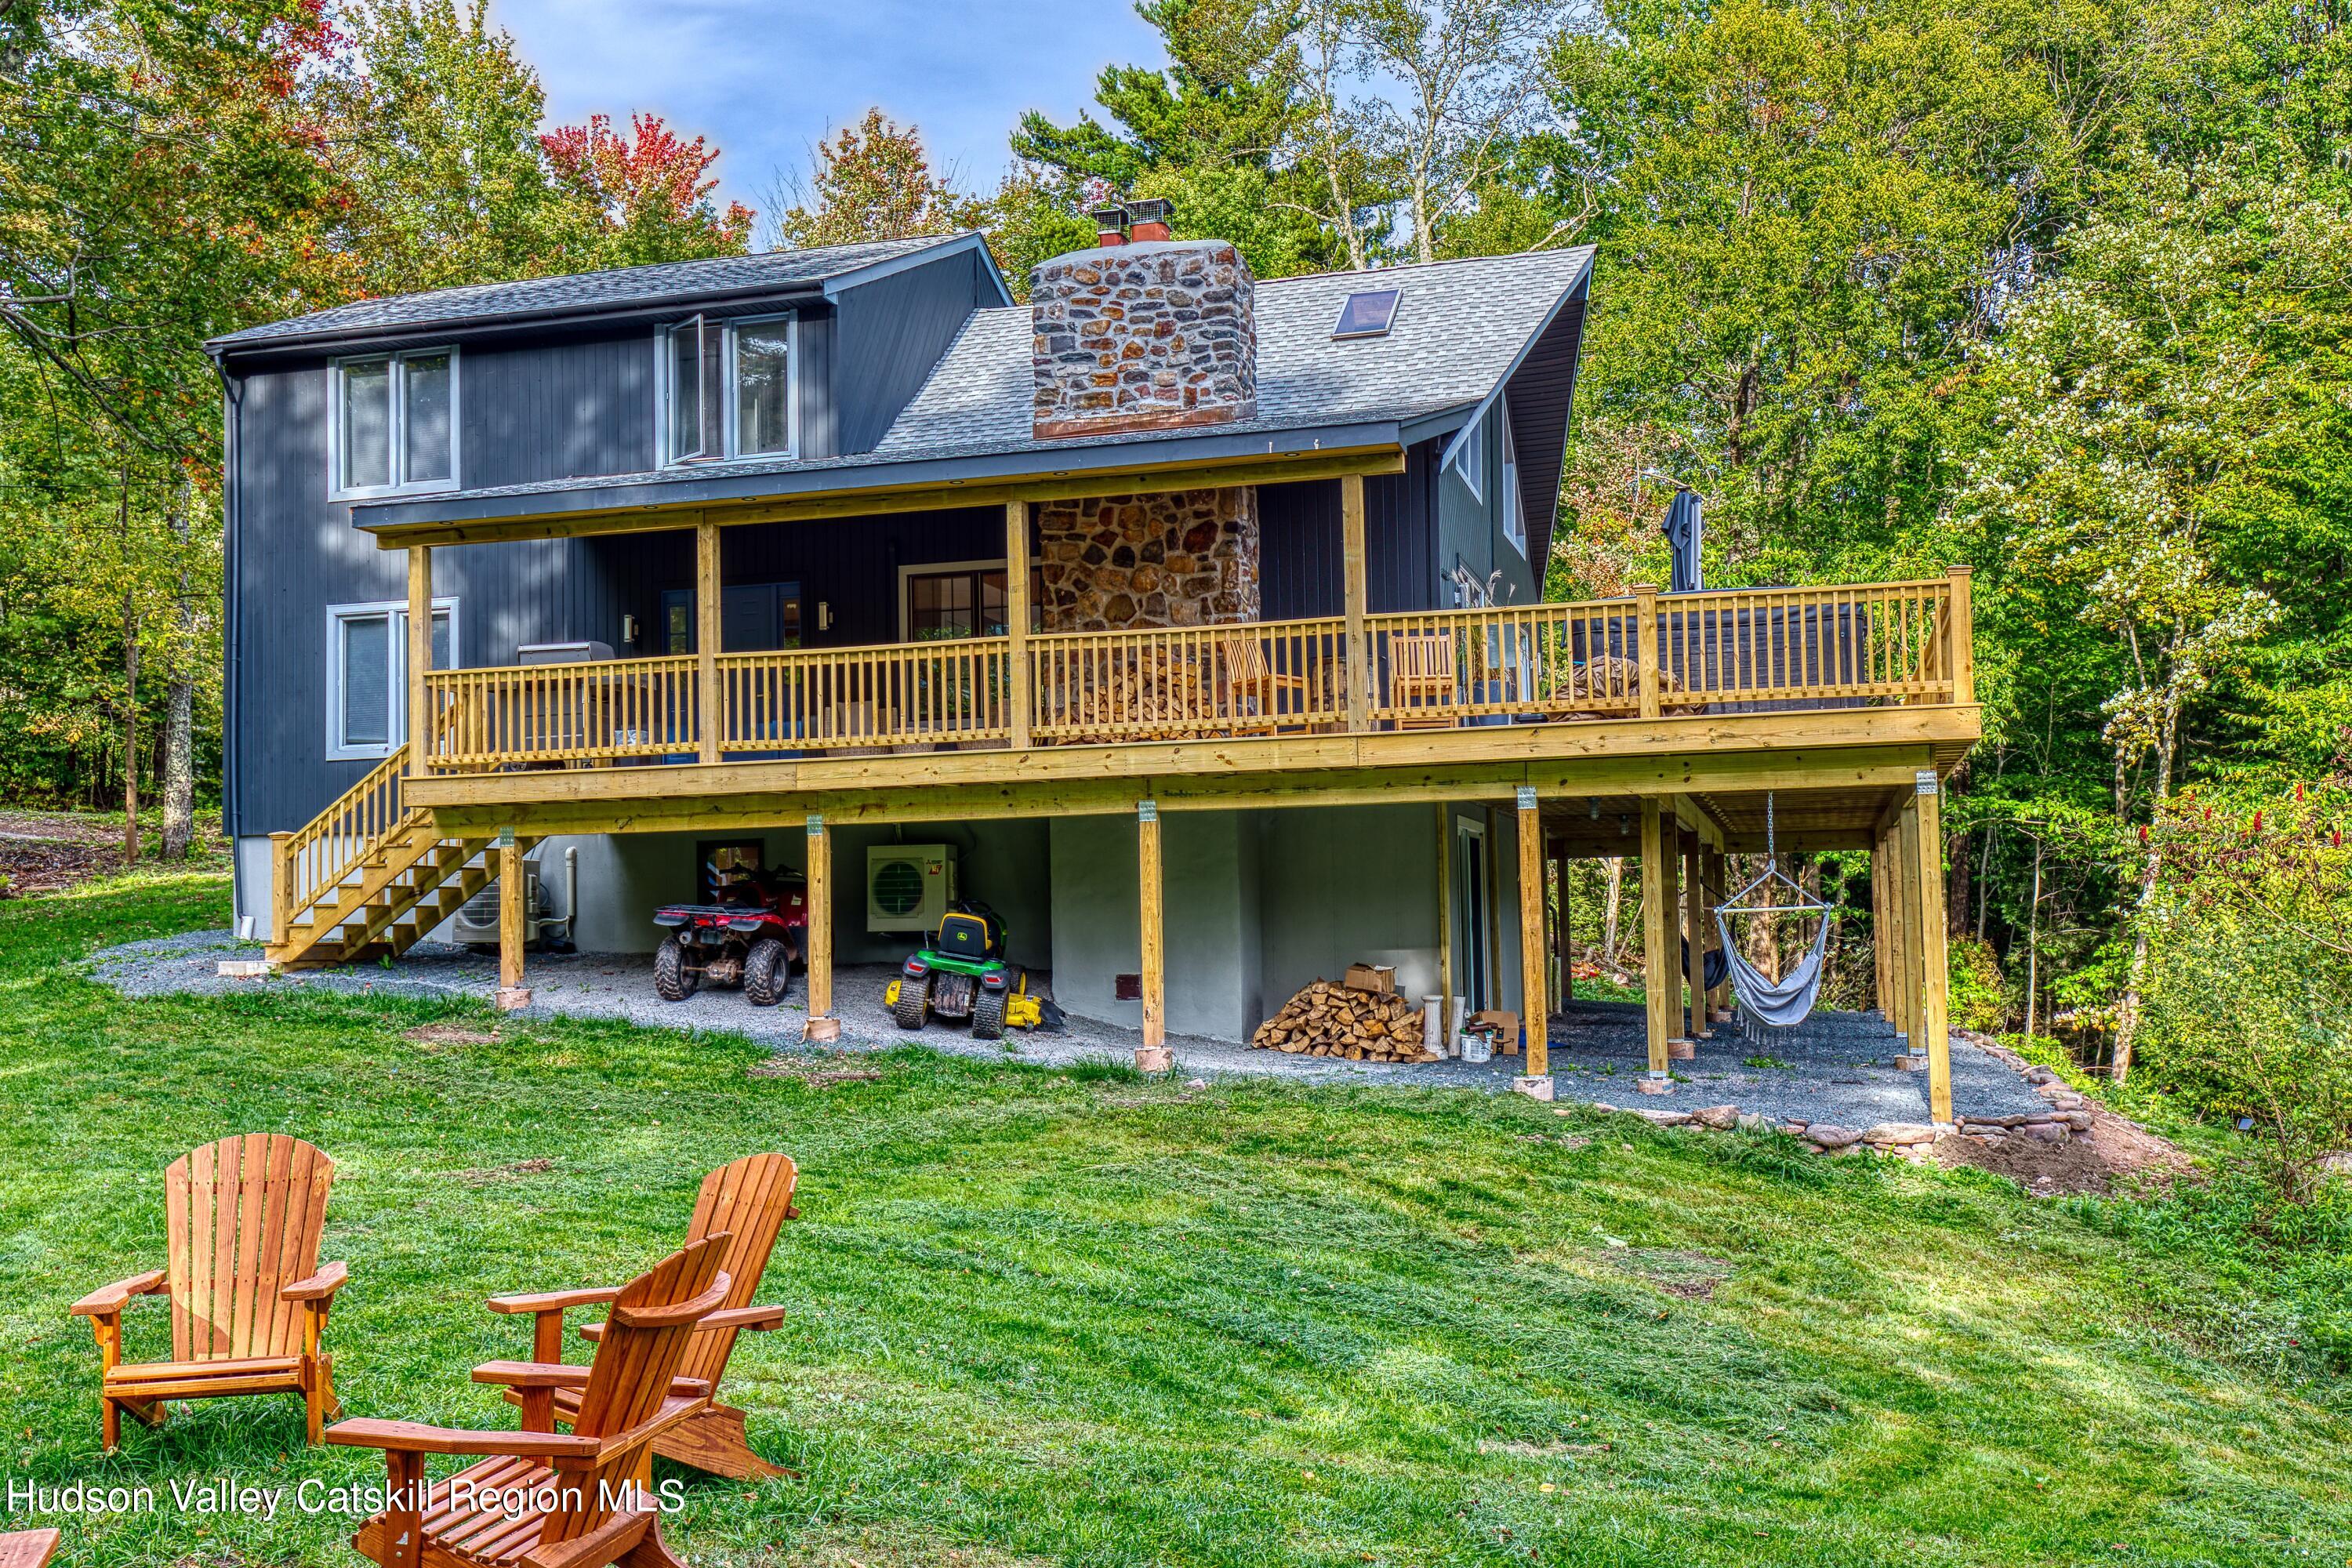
(1141, 694)
(1328, 1020)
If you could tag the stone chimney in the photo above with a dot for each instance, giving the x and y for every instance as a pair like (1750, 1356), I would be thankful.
(1150, 334)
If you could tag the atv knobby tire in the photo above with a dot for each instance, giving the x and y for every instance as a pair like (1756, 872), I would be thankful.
(766, 973)
(988, 1014)
(673, 981)
(914, 1003)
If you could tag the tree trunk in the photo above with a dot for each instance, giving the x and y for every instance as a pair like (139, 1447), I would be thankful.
(1764, 935)
(2151, 869)
(1611, 903)
(2033, 945)
(1956, 891)
(179, 727)
(1984, 880)
(129, 727)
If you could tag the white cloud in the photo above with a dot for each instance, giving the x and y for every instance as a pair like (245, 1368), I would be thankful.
(764, 81)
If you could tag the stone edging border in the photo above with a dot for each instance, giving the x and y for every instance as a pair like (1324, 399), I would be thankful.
(2068, 1113)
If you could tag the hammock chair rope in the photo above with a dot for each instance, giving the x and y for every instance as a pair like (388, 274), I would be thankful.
(1764, 1002)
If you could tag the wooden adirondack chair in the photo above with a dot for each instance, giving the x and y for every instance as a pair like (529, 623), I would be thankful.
(28, 1548)
(589, 1496)
(248, 1298)
(749, 1200)
(1421, 679)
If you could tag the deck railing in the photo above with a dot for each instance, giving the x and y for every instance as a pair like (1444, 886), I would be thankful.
(901, 694)
(1645, 656)
(1176, 682)
(329, 848)
(601, 712)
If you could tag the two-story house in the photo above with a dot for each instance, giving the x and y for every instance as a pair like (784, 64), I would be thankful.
(1198, 619)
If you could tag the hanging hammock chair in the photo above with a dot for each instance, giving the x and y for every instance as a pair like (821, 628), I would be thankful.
(1765, 1003)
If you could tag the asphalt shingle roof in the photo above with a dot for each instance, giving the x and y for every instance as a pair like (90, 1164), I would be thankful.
(1460, 327)
(654, 284)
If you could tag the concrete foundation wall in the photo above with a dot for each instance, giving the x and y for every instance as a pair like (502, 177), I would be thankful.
(1258, 903)
(1210, 919)
(624, 877)
(1349, 885)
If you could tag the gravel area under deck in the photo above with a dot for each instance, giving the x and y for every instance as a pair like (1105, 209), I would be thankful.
(1835, 1068)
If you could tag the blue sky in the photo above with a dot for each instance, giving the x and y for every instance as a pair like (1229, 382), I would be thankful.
(764, 81)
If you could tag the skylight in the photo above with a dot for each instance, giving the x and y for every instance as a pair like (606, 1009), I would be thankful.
(1367, 315)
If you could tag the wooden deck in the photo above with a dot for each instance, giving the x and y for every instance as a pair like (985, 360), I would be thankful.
(1240, 707)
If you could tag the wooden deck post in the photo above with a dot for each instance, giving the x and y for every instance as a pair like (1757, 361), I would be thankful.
(1907, 883)
(706, 620)
(1695, 936)
(1935, 969)
(1961, 629)
(281, 885)
(1881, 937)
(1659, 970)
(1714, 870)
(1017, 620)
(420, 657)
(821, 1025)
(1357, 662)
(1445, 921)
(1646, 655)
(514, 913)
(1535, 1006)
(1153, 1056)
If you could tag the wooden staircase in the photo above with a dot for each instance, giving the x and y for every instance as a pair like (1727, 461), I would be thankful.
(368, 877)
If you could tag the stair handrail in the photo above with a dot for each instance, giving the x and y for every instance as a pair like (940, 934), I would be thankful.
(332, 845)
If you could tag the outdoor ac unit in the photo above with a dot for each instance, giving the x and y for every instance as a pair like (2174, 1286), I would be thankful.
(908, 886)
(476, 921)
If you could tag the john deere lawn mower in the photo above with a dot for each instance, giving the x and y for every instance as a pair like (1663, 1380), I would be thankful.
(962, 975)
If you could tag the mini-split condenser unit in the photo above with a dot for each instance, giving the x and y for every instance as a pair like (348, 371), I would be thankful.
(908, 886)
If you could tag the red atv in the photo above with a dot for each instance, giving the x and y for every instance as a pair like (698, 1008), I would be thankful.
(754, 935)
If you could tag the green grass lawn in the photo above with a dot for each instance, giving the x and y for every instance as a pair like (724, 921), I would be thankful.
(1044, 1317)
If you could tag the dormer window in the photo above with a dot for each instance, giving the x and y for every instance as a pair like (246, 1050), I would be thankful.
(395, 423)
(1368, 314)
(726, 389)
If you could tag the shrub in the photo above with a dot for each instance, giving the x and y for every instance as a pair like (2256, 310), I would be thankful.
(2248, 982)
(1978, 999)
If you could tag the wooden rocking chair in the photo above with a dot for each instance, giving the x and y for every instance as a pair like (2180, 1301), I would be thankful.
(1250, 690)
(1423, 684)
(248, 1298)
(749, 1200)
(581, 1498)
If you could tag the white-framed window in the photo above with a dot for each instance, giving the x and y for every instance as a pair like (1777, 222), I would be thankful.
(394, 418)
(1514, 517)
(367, 674)
(727, 389)
(1468, 456)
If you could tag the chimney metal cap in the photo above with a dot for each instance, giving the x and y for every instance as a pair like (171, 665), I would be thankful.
(1148, 219)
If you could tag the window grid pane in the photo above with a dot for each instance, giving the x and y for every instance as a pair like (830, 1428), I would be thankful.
(426, 448)
(367, 425)
(367, 682)
(763, 390)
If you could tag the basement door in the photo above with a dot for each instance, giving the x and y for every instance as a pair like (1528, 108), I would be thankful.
(1473, 915)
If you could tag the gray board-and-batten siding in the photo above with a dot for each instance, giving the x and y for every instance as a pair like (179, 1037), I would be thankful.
(578, 590)
(541, 403)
